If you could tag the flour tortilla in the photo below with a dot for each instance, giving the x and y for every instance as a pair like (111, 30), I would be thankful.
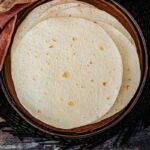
(79, 9)
(52, 8)
(61, 72)
(131, 65)
(32, 19)
(131, 69)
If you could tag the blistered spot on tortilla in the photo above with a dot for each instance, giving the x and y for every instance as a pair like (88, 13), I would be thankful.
(91, 62)
(48, 63)
(79, 8)
(33, 78)
(127, 87)
(74, 53)
(95, 21)
(108, 98)
(129, 79)
(65, 74)
(39, 111)
(77, 84)
(82, 87)
(69, 15)
(71, 103)
(54, 40)
(92, 80)
(104, 83)
(71, 45)
(101, 48)
(51, 46)
(74, 39)
(88, 65)
(128, 69)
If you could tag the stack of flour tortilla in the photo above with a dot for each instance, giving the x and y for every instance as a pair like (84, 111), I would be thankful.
(73, 64)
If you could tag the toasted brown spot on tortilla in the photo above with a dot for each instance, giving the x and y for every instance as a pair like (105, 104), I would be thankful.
(38, 111)
(74, 53)
(91, 62)
(70, 15)
(65, 74)
(51, 46)
(104, 83)
(71, 103)
(54, 40)
(95, 21)
(33, 78)
(129, 79)
(79, 8)
(74, 39)
(71, 45)
(128, 69)
(101, 48)
(92, 80)
(127, 87)
(82, 87)
(47, 62)
(108, 98)
(88, 65)
(77, 84)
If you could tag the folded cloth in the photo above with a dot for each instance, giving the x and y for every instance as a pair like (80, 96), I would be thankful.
(5, 38)
(6, 5)
(7, 24)
(6, 16)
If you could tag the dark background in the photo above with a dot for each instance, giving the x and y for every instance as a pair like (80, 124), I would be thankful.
(132, 133)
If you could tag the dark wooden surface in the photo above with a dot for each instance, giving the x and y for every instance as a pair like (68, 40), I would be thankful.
(133, 133)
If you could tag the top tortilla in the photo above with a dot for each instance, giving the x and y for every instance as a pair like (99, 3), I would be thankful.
(62, 76)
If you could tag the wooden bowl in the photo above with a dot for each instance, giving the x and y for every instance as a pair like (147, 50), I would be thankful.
(130, 24)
